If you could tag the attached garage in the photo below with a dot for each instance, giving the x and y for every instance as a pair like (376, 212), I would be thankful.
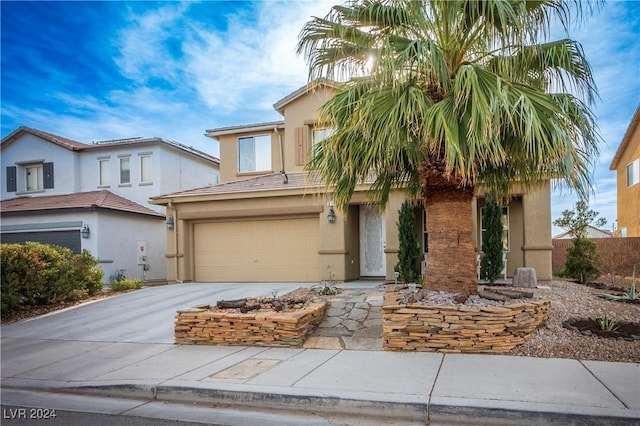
(257, 250)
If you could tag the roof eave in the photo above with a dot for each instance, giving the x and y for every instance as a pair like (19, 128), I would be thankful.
(233, 130)
(625, 140)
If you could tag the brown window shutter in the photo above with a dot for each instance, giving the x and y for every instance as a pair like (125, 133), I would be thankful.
(302, 145)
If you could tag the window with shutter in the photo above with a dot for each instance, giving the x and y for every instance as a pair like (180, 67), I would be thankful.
(48, 175)
(11, 179)
(302, 145)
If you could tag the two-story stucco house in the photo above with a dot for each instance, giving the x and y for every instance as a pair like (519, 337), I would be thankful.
(95, 196)
(278, 225)
(626, 163)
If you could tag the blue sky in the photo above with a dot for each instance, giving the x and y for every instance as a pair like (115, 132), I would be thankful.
(106, 70)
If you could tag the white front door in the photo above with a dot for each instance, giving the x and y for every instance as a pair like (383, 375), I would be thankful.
(372, 242)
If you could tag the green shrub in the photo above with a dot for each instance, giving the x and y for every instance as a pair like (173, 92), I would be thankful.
(38, 274)
(583, 261)
(126, 284)
(409, 248)
(562, 273)
(492, 245)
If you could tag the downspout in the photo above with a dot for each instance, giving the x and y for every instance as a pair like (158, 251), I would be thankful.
(275, 129)
(175, 241)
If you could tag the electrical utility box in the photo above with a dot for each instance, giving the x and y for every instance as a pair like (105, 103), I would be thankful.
(142, 252)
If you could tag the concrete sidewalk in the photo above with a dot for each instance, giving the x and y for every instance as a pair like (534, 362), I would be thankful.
(385, 387)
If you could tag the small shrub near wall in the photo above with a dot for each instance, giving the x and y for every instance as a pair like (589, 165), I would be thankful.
(39, 274)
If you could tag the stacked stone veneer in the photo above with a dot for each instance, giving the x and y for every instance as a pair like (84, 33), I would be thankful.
(459, 328)
(201, 326)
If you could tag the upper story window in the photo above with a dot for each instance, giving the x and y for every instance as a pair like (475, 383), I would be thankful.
(34, 177)
(505, 228)
(29, 177)
(633, 172)
(145, 169)
(320, 133)
(254, 153)
(105, 171)
(125, 170)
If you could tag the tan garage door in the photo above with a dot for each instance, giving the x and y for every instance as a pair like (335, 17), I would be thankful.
(257, 250)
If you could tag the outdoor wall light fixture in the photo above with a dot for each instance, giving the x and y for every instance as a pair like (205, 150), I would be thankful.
(85, 231)
(170, 223)
(331, 216)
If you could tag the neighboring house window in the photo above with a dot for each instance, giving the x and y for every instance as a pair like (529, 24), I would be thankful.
(633, 172)
(125, 170)
(322, 133)
(213, 178)
(34, 177)
(12, 174)
(105, 172)
(505, 228)
(145, 169)
(254, 153)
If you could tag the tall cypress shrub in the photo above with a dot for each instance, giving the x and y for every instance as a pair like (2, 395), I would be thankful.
(409, 249)
(492, 240)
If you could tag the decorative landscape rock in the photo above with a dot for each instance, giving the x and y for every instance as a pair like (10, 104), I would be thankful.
(203, 325)
(525, 277)
(470, 329)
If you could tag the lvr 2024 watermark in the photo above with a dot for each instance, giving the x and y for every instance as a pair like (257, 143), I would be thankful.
(29, 413)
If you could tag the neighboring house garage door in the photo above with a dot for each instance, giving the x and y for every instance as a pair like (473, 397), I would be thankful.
(257, 250)
(70, 239)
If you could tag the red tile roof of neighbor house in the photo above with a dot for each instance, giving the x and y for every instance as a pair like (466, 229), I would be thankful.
(81, 200)
(79, 146)
(269, 182)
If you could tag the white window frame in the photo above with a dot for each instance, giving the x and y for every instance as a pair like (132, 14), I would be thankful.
(320, 133)
(104, 172)
(506, 232)
(121, 161)
(254, 154)
(38, 168)
(633, 172)
(146, 169)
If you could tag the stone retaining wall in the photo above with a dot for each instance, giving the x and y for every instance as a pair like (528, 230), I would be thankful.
(459, 328)
(201, 326)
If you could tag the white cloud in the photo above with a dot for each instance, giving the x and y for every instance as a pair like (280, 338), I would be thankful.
(254, 63)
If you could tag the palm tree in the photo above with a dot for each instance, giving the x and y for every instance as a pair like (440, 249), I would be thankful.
(437, 97)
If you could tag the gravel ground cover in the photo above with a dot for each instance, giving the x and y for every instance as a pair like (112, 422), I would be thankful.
(569, 299)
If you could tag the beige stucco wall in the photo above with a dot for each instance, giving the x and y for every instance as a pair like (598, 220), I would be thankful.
(229, 151)
(629, 197)
(300, 112)
(537, 247)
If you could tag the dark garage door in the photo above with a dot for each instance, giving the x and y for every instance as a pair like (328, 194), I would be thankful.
(70, 239)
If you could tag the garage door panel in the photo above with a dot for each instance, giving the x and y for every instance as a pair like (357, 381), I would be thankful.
(264, 250)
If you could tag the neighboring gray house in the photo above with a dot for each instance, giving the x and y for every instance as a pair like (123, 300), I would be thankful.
(95, 196)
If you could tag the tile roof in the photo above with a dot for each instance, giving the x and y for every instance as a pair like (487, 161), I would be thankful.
(58, 140)
(269, 182)
(79, 146)
(82, 200)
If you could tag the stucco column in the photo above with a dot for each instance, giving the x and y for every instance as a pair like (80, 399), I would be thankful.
(537, 247)
(392, 246)
(332, 245)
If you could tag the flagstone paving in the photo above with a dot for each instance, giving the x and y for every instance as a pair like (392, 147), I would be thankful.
(353, 321)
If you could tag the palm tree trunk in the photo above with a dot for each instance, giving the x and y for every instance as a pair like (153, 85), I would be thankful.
(451, 264)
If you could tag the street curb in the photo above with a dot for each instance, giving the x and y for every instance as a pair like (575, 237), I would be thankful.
(529, 414)
(384, 407)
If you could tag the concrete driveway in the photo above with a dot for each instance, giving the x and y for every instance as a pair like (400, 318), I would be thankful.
(143, 316)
